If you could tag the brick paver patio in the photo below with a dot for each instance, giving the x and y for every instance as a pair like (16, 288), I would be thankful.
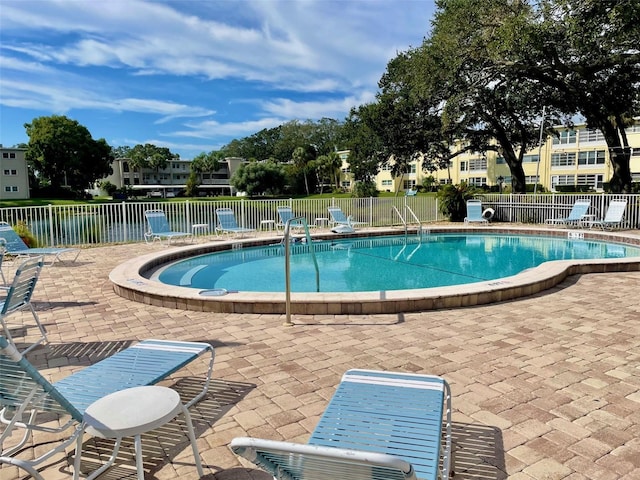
(546, 387)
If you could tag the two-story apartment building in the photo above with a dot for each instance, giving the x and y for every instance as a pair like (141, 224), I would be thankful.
(14, 174)
(172, 180)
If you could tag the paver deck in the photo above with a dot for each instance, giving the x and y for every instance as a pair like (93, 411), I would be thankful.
(546, 387)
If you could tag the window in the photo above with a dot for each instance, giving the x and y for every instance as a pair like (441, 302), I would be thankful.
(595, 157)
(345, 183)
(5, 155)
(10, 188)
(563, 180)
(563, 159)
(477, 181)
(531, 179)
(12, 155)
(445, 181)
(346, 170)
(408, 184)
(10, 172)
(412, 168)
(464, 166)
(386, 168)
(127, 181)
(635, 152)
(591, 135)
(476, 164)
(387, 183)
(125, 167)
(500, 161)
(594, 181)
(530, 159)
(566, 137)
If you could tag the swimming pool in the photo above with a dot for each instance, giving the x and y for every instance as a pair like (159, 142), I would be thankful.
(383, 263)
(586, 252)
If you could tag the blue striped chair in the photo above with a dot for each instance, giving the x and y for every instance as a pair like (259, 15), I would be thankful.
(378, 426)
(24, 392)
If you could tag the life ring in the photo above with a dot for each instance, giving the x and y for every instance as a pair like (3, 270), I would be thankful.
(488, 213)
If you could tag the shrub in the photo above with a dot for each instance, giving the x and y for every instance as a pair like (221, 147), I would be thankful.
(23, 232)
(452, 200)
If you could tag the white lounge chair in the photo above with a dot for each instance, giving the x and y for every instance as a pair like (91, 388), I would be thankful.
(18, 297)
(227, 223)
(474, 212)
(576, 215)
(341, 223)
(14, 245)
(159, 228)
(614, 216)
(378, 426)
(24, 392)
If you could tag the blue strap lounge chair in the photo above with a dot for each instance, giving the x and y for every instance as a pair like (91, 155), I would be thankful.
(227, 223)
(285, 214)
(613, 217)
(474, 212)
(24, 392)
(159, 228)
(341, 223)
(378, 426)
(14, 245)
(18, 297)
(576, 215)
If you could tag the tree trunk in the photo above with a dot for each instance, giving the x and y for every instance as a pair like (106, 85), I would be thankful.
(620, 156)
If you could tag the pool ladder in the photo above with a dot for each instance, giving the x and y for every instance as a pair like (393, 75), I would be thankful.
(287, 262)
(421, 230)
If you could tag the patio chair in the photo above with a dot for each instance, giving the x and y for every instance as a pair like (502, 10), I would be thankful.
(410, 193)
(613, 217)
(577, 213)
(378, 426)
(159, 228)
(474, 212)
(14, 245)
(285, 214)
(18, 297)
(341, 223)
(227, 223)
(24, 392)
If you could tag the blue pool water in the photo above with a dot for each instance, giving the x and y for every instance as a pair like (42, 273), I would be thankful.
(383, 263)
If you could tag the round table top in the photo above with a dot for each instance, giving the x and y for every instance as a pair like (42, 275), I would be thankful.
(132, 411)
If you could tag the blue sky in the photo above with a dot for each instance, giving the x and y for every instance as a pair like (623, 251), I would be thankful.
(192, 75)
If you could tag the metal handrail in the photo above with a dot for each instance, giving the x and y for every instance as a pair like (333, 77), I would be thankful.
(407, 207)
(287, 262)
(395, 209)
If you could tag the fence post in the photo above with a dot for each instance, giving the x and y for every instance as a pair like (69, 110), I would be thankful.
(51, 244)
(187, 216)
(125, 233)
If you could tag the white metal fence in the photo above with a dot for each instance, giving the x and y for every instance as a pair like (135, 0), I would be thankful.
(55, 225)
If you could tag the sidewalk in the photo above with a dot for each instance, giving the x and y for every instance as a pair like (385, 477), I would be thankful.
(547, 387)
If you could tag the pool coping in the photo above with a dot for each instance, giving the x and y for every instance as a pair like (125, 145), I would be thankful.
(130, 280)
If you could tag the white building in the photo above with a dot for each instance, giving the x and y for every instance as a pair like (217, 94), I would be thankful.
(14, 181)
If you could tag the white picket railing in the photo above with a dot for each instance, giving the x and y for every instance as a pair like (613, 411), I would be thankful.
(57, 225)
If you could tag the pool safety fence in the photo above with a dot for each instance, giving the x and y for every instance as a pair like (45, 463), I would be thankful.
(123, 222)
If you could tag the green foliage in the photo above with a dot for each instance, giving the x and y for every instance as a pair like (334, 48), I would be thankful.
(62, 152)
(22, 229)
(151, 156)
(108, 187)
(452, 200)
(364, 189)
(259, 177)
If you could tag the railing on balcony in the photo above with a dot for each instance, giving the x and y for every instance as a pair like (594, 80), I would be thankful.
(57, 225)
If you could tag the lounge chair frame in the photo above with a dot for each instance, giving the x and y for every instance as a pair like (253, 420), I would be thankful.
(339, 219)
(576, 215)
(24, 392)
(474, 212)
(613, 217)
(227, 223)
(378, 426)
(15, 246)
(19, 295)
(159, 228)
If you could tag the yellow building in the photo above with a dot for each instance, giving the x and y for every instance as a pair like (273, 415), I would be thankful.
(578, 156)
